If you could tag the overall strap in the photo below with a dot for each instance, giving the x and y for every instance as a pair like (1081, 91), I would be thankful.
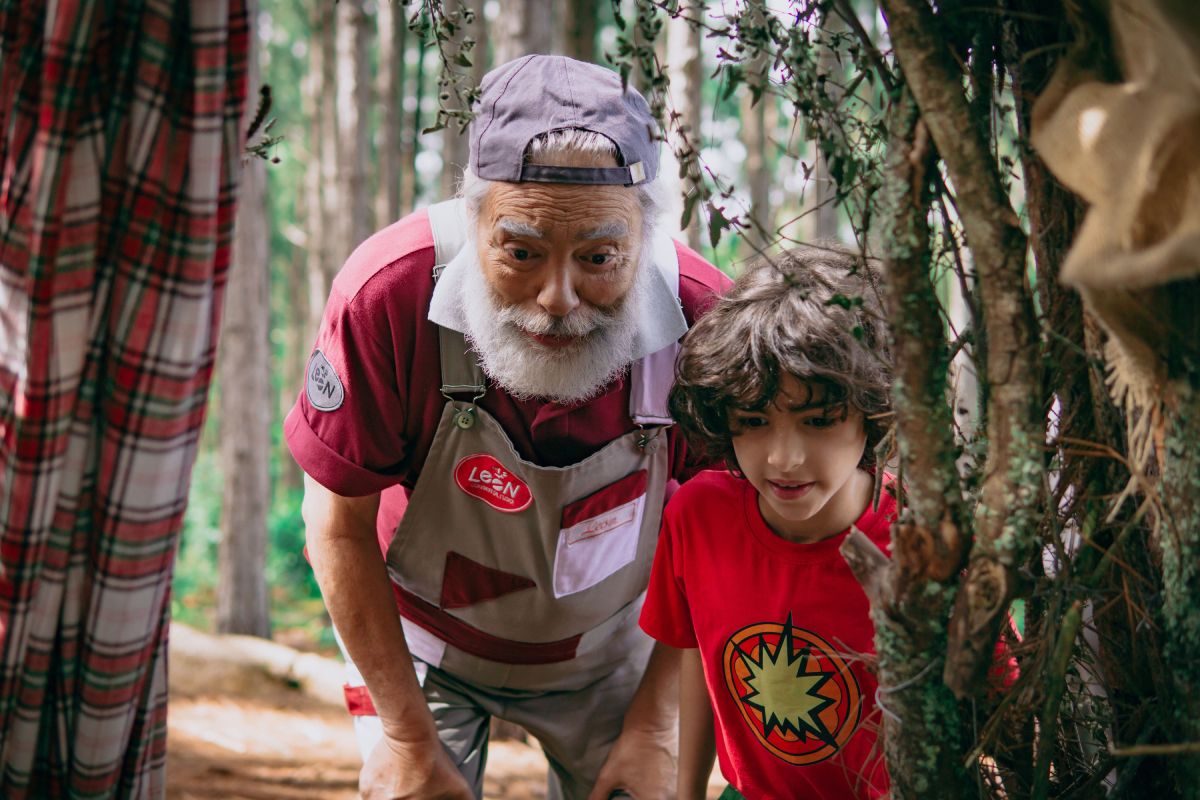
(651, 377)
(460, 371)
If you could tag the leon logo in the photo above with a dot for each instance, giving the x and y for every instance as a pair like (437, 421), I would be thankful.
(484, 477)
(794, 691)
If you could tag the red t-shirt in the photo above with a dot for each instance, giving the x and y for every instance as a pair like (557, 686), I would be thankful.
(781, 628)
(378, 339)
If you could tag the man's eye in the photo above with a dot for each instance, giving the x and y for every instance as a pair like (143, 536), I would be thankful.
(519, 254)
(599, 259)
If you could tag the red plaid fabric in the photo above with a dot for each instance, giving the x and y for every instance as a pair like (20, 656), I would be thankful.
(119, 155)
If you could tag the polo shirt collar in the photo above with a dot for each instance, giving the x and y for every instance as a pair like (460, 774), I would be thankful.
(661, 322)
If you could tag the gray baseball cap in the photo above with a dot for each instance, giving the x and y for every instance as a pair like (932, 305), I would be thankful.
(539, 94)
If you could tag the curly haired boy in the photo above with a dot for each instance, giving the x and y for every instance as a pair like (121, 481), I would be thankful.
(788, 378)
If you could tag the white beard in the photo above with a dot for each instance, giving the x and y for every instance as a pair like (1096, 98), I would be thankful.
(525, 368)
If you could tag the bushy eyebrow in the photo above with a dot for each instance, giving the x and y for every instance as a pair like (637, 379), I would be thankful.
(515, 228)
(609, 230)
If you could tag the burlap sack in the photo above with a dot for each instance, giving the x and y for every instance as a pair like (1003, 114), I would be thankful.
(1132, 150)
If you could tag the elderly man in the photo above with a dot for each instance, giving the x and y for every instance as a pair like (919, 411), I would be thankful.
(486, 402)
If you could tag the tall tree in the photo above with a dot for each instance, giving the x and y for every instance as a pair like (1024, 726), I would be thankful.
(579, 28)
(245, 414)
(685, 62)
(353, 119)
(325, 252)
(824, 210)
(523, 27)
(754, 103)
(410, 139)
(390, 90)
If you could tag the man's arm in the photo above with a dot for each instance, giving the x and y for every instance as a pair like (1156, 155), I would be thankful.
(697, 741)
(642, 760)
(410, 762)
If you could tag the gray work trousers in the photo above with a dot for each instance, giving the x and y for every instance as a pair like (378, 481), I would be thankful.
(576, 728)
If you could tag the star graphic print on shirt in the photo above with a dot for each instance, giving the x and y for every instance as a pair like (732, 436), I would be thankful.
(793, 690)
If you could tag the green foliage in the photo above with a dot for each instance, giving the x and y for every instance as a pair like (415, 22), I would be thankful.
(194, 587)
(294, 595)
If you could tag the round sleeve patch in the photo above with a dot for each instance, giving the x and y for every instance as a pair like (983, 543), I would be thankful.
(322, 386)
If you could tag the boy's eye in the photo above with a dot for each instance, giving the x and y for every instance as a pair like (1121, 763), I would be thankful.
(822, 422)
(747, 423)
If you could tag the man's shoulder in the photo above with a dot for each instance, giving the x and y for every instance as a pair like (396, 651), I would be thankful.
(393, 265)
(700, 283)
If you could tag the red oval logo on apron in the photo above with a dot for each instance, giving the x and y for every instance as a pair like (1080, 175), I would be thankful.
(482, 476)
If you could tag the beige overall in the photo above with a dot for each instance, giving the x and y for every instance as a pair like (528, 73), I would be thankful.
(519, 585)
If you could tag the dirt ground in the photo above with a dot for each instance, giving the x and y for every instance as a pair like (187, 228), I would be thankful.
(288, 748)
(237, 732)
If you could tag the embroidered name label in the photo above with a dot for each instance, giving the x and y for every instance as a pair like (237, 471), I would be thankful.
(322, 385)
(602, 523)
(482, 476)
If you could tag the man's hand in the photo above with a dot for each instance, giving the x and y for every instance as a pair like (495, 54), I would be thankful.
(411, 771)
(642, 764)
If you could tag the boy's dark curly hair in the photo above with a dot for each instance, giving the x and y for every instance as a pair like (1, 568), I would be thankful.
(812, 312)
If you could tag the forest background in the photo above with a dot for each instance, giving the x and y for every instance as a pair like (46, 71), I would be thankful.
(1026, 170)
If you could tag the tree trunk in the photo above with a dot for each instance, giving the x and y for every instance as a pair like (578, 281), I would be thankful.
(392, 30)
(524, 27)
(245, 373)
(353, 104)
(325, 254)
(296, 342)
(754, 133)
(824, 212)
(685, 62)
(1179, 540)
(410, 139)
(579, 26)
(1006, 525)
(923, 733)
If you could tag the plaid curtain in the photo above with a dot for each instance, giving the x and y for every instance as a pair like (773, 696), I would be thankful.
(119, 156)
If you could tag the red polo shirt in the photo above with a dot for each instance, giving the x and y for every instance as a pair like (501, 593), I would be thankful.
(378, 339)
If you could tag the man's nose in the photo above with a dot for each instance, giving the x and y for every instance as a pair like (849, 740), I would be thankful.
(557, 296)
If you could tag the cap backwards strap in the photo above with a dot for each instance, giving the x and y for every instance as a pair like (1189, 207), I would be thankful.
(607, 176)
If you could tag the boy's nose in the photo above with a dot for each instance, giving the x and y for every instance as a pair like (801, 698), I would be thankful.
(786, 451)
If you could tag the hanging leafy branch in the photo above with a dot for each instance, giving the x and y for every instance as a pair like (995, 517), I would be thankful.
(457, 94)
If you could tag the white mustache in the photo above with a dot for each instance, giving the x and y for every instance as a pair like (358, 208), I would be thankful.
(581, 322)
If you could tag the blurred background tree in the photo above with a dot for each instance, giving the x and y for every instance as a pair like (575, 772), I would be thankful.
(907, 130)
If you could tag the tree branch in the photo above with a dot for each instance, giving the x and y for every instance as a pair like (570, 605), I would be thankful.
(923, 730)
(1005, 533)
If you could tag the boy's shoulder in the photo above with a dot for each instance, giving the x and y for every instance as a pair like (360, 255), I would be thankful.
(707, 489)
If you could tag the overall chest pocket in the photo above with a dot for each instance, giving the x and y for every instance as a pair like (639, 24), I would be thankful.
(599, 534)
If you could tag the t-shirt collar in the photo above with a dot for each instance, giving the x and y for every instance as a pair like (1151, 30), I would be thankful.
(661, 321)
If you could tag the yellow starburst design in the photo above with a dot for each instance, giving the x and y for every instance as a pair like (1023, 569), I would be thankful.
(785, 688)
